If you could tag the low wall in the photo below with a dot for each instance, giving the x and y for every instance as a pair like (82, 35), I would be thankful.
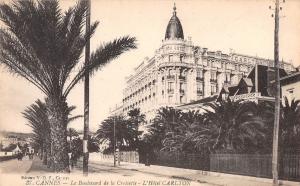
(126, 156)
(5, 158)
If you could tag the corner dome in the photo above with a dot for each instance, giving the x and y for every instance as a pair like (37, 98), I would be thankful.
(174, 28)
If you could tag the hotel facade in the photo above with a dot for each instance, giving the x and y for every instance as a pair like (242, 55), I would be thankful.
(180, 73)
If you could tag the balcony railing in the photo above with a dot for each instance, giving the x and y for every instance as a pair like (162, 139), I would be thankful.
(182, 77)
(199, 78)
(213, 80)
(199, 92)
(170, 77)
(171, 91)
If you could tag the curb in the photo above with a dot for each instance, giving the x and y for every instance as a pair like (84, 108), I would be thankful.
(216, 174)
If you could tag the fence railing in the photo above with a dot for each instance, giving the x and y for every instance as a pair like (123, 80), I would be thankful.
(243, 164)
(130, 156)
(290, 167)
(5, 158)
(126, 156)
(256, 165)
(182, 160)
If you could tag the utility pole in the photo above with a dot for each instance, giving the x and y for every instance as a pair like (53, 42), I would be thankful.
(86, 93)
(275, 158)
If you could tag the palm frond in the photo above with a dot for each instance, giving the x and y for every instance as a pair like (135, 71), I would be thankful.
(102, 56)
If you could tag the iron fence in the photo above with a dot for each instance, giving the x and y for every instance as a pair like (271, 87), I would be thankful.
(182, 160)
(256, 165)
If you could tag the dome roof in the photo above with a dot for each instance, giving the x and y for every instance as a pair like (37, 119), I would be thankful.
(174, 28)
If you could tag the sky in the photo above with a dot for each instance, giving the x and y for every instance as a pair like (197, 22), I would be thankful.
(246, 26)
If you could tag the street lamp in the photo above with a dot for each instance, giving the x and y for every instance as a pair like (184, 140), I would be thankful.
(119, 152)
(114, 141)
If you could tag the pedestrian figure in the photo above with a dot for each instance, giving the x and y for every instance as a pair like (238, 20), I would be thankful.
(20, 156)
(147, 163)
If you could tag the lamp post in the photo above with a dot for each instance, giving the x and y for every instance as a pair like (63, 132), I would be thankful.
(114, 144)
(119, 152)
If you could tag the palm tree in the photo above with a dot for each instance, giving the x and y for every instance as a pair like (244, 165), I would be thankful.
(44, 45)
(71, 133)
(163, 123)
(192, 133)
(238, 126)
(136, 119)
(36, 114)
(290, 124)
(123, 131)
(181, 138)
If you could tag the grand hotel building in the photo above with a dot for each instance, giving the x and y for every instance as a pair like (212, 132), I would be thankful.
(180, 73)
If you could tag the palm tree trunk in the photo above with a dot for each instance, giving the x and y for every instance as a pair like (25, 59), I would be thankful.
(58, 134)
(41, 152)
(45, 157)
(48, 153)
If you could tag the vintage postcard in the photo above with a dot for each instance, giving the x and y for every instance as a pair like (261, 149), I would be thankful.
(149, 92)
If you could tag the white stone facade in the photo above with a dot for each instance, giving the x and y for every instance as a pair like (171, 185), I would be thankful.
(181, 72)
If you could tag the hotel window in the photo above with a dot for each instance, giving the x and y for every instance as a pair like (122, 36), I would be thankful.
(199, 87)
(224, 96)
(171, 86)
(181, 57)
(227, 77)
(199, 73)
(181, 99)
(213, 75)
(170, 99)
(171, 58)
(213, 89)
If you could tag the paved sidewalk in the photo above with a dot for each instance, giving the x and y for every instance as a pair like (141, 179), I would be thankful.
(218, 179)
(205, 176)
(15, 166)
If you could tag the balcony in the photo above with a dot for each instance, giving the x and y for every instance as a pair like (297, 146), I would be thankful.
(182, 78)
(171, 91)
(213, 80)
(199, 78)
(171, 77)
(227, 82)
(200, 92)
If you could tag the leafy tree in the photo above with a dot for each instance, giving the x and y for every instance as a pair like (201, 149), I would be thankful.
(44, 45)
